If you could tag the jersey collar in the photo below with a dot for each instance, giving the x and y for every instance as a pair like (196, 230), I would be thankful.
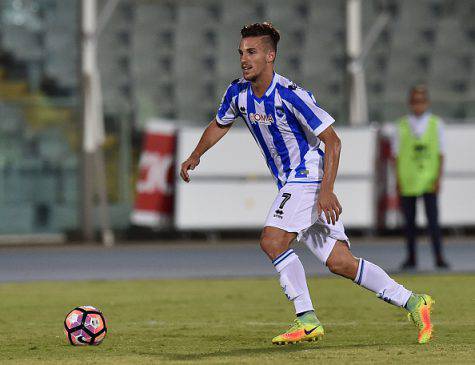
(269, 90)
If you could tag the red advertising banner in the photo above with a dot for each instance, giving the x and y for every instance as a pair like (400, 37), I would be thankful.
(155, 186)
(388, 212)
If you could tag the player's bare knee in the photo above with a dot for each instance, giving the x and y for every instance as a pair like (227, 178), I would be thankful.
(273, 246)
(273, 243)
(265, 244)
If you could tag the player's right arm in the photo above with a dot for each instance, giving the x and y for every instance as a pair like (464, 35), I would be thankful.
(218, 127)
(212, 134)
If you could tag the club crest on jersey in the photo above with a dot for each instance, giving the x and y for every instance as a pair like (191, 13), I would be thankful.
(261, 118)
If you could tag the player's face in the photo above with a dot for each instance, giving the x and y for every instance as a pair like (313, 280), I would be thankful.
(418, 103)
(255, 55)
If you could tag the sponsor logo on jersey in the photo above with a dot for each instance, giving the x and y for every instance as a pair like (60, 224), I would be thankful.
(257, 118)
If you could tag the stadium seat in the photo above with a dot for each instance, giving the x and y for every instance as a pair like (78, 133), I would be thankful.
(16, 218)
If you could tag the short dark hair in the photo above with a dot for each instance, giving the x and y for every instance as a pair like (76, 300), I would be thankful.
(419, 89)
(262, 29)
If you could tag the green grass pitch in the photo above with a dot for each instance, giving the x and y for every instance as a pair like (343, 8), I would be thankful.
(232, 321)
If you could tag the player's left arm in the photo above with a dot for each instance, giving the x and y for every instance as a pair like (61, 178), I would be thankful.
(441, 132)
(436, 187)
(327, 201)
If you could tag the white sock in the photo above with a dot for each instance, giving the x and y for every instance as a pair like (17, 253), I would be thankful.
(372, 277)
(293, 280)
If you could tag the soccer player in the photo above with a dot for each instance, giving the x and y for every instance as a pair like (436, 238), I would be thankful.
(289, 128)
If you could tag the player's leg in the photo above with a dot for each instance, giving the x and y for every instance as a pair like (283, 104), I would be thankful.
(408, 205)
(292, 211)
(331, 246)
(372, 277)
(366, 274)
(275, 242)
(432, 214)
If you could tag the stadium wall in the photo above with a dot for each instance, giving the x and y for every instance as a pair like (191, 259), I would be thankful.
(232, 189)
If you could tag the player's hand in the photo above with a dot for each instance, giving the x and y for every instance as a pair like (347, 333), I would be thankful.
(398, 189)
(328, 204)
(189, 164)
(436, 186)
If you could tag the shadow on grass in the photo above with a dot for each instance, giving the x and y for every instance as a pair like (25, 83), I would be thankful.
(267, 350)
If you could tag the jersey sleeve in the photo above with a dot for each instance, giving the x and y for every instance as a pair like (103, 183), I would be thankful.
(307, 111)
(228, 111)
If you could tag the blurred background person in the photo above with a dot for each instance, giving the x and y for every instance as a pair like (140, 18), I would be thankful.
(418, 148)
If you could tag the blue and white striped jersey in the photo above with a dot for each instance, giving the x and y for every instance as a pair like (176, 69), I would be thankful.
(285, 123)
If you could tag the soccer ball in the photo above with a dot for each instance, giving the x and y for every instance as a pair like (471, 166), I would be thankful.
(85, 326)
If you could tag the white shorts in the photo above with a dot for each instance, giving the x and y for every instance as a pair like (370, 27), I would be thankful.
(295, 210)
